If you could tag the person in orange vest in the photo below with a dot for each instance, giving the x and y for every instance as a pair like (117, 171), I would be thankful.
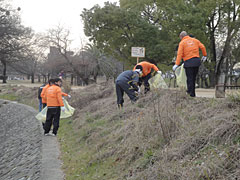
(147, 69)
(188, 50)
(54, 107)
(43, 93)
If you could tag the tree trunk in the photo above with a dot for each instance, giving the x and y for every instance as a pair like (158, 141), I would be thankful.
(79, 81)
(4, 71)
(71, 79)
(39, 78)
(44, 79)
(212, 78)
(32, 78)
(48, 76)
(221, 66)
(86, 80)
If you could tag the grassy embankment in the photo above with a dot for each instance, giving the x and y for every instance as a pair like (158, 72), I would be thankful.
(166, 135)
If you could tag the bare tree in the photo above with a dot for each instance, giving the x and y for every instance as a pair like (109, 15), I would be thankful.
(31, 56)
(12, 36)
(106, 65)
(79, 63)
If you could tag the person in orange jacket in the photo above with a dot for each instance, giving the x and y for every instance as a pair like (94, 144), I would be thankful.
(44, 90)
(54, 106)
(147, 69)
(188, 50)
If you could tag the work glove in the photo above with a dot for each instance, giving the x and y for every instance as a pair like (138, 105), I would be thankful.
(62, 108)
(174, 67)
(204, 58)
(69, 96)
(139, 90)
(159, 72)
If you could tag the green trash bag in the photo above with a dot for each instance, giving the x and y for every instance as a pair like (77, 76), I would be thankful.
(69, 110)
(181, 77)
(157, 82)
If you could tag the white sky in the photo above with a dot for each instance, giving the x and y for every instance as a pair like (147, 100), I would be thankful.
(45, 14)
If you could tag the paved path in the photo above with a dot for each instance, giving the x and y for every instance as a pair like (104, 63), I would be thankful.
(25, 154)
(209, 93)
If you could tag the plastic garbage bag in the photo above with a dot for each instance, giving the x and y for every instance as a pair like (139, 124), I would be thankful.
(157, 82)
(69, 110)
(181, 77)
(236, 66)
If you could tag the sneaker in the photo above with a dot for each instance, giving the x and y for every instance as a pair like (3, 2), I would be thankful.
(52, 134)
(47, 134)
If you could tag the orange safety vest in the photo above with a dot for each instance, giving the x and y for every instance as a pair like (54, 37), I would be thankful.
(54, 96)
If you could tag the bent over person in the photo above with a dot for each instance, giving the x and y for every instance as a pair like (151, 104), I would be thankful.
(188, 50)
(54, 104)
(127, 82)
(147, 69)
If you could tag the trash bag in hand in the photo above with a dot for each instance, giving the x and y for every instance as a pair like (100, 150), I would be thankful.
(157, 82)
(181, 77)
(68, 112)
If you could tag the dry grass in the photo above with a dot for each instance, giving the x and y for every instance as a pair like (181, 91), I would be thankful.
(21, 94)
(166, 135)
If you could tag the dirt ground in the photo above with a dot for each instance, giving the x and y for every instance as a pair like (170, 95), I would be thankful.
(209, 93)
(200, 92)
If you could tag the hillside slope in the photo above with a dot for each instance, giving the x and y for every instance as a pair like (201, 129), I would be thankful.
(165, 135)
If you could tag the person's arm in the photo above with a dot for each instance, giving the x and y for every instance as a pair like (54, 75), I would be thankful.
(155, 67)
(64, 94)
(179, 54)
(59, 97)
(203, 49)
(134, 82)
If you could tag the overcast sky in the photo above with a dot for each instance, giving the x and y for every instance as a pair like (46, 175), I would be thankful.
(45, 14)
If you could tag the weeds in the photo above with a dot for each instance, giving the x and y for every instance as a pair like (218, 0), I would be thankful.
(234, 97)
(166, 135)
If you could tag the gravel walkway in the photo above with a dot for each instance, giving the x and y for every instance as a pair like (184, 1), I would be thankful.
(25, 154)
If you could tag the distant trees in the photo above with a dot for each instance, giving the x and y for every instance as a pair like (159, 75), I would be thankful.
(106, 65)
(156, 25)
(86, 63)
(59, 39)
(26, 52)
(32, 57)
(115, 30)
(12, 36)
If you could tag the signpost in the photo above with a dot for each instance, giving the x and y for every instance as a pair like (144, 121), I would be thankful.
(138, 52)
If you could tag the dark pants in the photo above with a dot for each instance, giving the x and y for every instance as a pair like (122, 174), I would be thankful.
(122, 87)
(40, 104)
(145, 82)
(191, 73)
(53, 117)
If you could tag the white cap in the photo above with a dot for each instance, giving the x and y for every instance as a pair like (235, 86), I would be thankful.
(138, 70)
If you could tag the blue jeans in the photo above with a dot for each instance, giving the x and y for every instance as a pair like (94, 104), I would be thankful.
(40, 105)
